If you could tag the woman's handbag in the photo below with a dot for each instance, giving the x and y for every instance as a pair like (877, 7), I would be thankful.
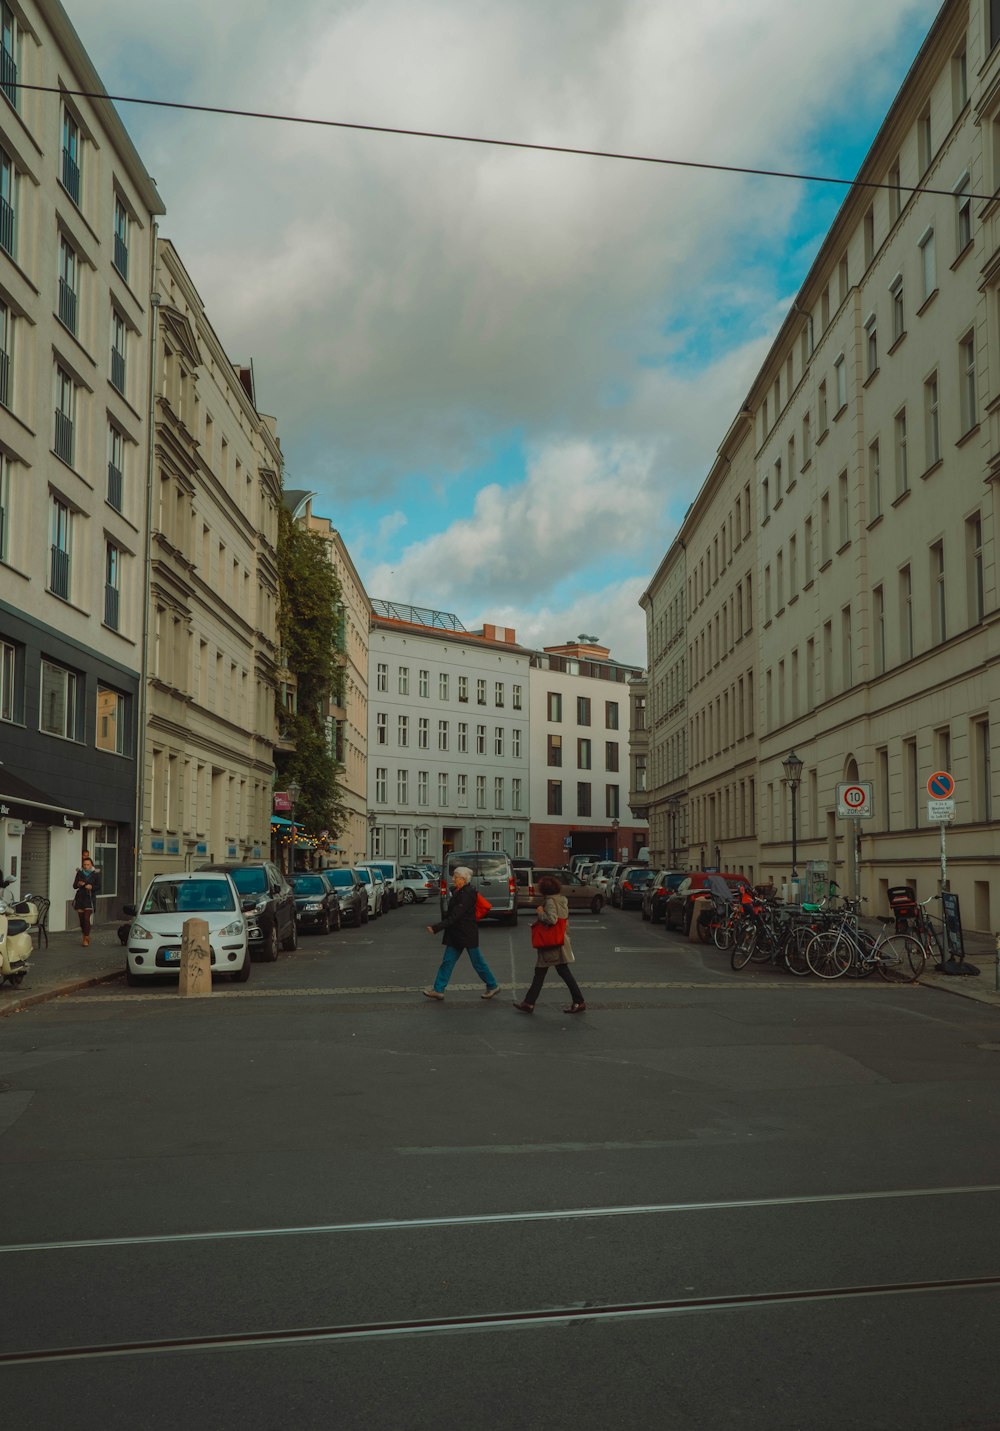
(548, 936)
(483, 906)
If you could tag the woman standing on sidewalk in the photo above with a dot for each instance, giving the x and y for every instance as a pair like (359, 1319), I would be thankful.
(460, 932)
(558, 957)
(87, 884)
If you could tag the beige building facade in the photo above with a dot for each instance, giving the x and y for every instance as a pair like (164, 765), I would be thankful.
(348, 714)
(77, 231)
(213, 596)
(870, 440)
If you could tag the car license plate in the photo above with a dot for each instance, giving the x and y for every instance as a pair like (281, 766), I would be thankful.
(171, 956)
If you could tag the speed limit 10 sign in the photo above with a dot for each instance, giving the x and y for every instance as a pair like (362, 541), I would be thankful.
(855, 801)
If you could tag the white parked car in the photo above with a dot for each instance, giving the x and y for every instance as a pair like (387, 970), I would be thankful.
(414, 884)
(374, 886)
(154, 938)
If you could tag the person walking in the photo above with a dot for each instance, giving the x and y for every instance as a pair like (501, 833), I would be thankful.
(460, 932)
(559, 956)
(87, 883)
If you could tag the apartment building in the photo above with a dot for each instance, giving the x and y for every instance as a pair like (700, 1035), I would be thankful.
(347, 718)
(448, 722)
(873, 430)
(580, 770)
(664, 802)
(77, 233)
(213, 596)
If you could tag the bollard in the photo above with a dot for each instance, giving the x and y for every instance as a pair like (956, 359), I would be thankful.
(196, 959)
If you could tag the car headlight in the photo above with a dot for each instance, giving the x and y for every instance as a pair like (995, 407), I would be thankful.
(139, 931)
(260, 906)
(231, 929)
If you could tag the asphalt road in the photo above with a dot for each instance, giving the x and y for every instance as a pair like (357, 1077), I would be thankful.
(320, 1200)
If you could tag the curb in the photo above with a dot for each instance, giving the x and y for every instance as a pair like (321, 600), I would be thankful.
(27, 1000)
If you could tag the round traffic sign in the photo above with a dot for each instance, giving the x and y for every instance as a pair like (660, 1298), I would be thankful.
(855, 796)
(941, 785)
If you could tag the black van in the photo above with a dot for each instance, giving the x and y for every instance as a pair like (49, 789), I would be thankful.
(492, 877)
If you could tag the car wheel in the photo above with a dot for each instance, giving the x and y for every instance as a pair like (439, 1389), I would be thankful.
(132, 980)
(363, 919)
(291, 941)
(596, 904)
(270, 951)
(336, 923)
(242, 975)
(645, 914)
(408, 895)
(325, 926)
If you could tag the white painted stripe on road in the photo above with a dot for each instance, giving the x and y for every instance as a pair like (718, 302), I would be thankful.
(488, 1219)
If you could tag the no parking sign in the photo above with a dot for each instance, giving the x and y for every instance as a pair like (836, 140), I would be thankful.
(855, 801)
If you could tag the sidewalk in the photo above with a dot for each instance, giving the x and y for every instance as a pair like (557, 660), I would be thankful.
(66, 966)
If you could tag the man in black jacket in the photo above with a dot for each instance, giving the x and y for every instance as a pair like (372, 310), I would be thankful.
(460, 932)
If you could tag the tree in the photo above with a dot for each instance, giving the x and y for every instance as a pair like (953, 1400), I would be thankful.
(309, 615)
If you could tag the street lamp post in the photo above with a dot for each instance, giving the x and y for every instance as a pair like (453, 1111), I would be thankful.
(614, 840)
(372, 821)
(294, 791)
(792, 766)
(673, 803)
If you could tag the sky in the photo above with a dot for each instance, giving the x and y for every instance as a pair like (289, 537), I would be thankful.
(504, 374)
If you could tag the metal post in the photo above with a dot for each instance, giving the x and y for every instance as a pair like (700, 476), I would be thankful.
(795, 837)
(944, 860)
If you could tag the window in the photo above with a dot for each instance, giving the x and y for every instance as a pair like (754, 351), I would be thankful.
(583, 755)
(765, 498)
(932, 422)
(119, 342)
(583, 797)
(983, 800)
(423, 733)
(554, 805)
(498, 693)
(402, 730)
(11, 682)
(611, 715)
(874, 481)
(443, 686)
(380, 784)
(442, 735)
(112, 721)
(924, 149)
(381, 728)
(963, 215)
(554, 705)
(939, 626)
(515, 743)
(8, 204)
(959, 82)
(402, 786)
(611, 755)
(462, 789)
(974, 567)
(498, 740)
(112, 586)
(869, 232)
(878, 624)
(9, 54)
(777, 481)
(382, 676)
(824, 416)
(902, 471)
(840, 377)
(844, 276)
(496, 840)
(71, 156)
(554, 756)
(120, 256)
(515, 793)
(61, 690)
(498, 792)
(583, 710)
(847, 646)
(844, 509)
(6, 355)
(116, 468)
(423, 793)
(824, 529)
(61, 550)
(69, 279)
(905, 613)
(404, 680)
(928, 265)
(793, 566)
(404, 842)
(611, 802)
(463, 737)
(898, 316)
(5, 506)
(480, 792)
(480, 693)
(967, 380)
(515, 697)
(463, 688)
(442, 788)
(423, 683)
(895, 192)
(480, 740)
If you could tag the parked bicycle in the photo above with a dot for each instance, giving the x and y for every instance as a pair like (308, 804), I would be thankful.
(912, 917)
(847, 947)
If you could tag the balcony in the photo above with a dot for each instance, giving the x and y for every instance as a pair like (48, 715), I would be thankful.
(121, 256)
(8, 76)
(71, 176)
(67, 305)
(59, 573)
(118, 370)
(7, 228)
(116, 486)
(112, 601)
(64, 437)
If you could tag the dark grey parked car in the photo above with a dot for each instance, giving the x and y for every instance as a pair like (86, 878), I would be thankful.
(268, 903)
(316, 904)
(351, 893)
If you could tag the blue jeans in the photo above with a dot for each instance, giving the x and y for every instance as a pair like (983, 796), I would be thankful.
(451, 958)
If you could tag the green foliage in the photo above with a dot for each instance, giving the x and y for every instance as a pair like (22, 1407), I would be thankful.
(308, 621)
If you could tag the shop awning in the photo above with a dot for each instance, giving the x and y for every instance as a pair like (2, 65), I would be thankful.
(21, 801)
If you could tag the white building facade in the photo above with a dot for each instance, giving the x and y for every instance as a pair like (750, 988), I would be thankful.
(448, 742)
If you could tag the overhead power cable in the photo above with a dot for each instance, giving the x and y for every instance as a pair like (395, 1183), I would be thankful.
(699, 164)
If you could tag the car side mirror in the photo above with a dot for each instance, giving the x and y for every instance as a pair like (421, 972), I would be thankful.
(247, 901)
(129, 910)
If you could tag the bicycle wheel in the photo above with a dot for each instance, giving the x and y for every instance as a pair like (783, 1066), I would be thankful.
(764, 947)
(901, 959)
(828, 954)
(742, 951)
(723, 934)
(795, 952)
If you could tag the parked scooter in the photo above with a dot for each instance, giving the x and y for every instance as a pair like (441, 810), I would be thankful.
(16, 921)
